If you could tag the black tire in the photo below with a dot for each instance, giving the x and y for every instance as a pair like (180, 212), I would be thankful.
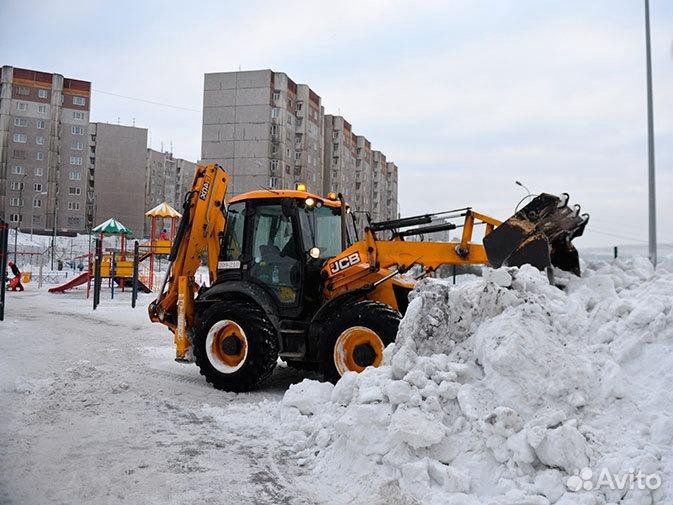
(262, 353)
(376, 316)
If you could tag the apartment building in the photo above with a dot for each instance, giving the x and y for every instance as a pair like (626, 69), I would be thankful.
(117, 167)
(44, 120)
(268, 131)
(167, 179)
(264, 129)
(364, 176)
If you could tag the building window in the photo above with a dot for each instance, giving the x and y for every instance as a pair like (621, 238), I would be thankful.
(274, 129)
(75, 176)
(77, 146)
(19, 170)
(37, 203)
(42, 93)
(78, 100)
(16, 202)
(20, 121)
(19, 154)
(273, 182)
(274, 113)
(289, 118)
(299, 106)
(74, 221)
(39, 156)
(77, 130)
(23, 90)
(20, 138)
(40, 124)
(297, 155)
(39, 140)
(39, 172)
(73, 205)
(37, 187)
(41, 109)
(75, 160)
(287, 169)
(274, 166)
(74, 191)
(15, 218)
(21, 106)
(16, 186)
(77, 114)
(276, 94)
(335, 134)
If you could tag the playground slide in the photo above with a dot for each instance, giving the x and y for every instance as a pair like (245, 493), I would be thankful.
(128, 282)
(82, 278)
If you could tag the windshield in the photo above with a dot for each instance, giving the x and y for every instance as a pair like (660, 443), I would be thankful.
(321, 227)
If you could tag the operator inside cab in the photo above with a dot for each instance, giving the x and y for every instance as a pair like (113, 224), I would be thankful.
(280, 239)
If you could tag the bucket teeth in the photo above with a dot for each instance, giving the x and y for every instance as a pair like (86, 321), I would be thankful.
(539, 234)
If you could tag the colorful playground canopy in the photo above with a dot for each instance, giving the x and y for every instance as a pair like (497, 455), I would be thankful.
(112, 227)
(163, 210)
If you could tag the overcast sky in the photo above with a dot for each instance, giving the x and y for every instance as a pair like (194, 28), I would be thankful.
(465, 96)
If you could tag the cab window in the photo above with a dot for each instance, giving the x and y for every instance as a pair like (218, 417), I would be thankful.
(321, 228)
(275, 253)
(232, 247)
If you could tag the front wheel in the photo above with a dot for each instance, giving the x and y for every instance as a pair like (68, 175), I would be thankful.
(354, 337)
(235, 346)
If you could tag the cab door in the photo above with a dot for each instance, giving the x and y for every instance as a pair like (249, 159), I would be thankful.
(275, 252)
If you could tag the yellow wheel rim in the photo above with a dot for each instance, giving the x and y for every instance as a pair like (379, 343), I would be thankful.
(357, 348)
(226, 346)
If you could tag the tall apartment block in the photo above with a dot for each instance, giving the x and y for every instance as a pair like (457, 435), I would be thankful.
(167, 179)
(117, 163)
(268, 131)
(44, 120)
(363, 175)
(263, 128)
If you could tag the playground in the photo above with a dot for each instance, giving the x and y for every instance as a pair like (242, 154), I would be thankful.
(135, 268)
(68, 264)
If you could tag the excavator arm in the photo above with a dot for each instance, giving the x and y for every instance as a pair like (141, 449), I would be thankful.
(539, 234)
(199, 233)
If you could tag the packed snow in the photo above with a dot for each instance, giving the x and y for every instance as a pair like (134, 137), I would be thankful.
(501, 389)
(505, 390)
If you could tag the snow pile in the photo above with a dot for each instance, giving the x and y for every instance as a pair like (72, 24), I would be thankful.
(505, 390)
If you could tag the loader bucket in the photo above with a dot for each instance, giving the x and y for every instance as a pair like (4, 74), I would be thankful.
(539, 234)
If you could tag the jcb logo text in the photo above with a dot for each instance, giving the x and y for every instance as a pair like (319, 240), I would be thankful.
(339, 265)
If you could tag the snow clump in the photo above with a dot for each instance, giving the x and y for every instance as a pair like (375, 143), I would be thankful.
(504, 390)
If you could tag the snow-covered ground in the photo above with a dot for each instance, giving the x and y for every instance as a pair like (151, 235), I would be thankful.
(93, 409)
(500, 390)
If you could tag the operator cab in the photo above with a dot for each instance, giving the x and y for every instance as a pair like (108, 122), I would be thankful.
(279, 240)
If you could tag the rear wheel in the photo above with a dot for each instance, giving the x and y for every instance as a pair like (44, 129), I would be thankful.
(354, 337)
(235, 346)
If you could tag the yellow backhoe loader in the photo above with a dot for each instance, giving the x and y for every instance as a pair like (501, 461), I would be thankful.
(289, 276)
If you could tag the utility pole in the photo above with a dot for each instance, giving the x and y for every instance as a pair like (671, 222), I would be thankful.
(652, 207)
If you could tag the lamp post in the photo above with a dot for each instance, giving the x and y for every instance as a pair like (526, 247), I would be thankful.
(18, 225)
(53, 236)
(652, 208)
(32, 214)
(519, 183)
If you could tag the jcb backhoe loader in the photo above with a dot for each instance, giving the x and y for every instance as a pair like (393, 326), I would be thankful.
(289, 277)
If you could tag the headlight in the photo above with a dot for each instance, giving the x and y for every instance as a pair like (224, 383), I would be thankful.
(310, 202)
(314, 253)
